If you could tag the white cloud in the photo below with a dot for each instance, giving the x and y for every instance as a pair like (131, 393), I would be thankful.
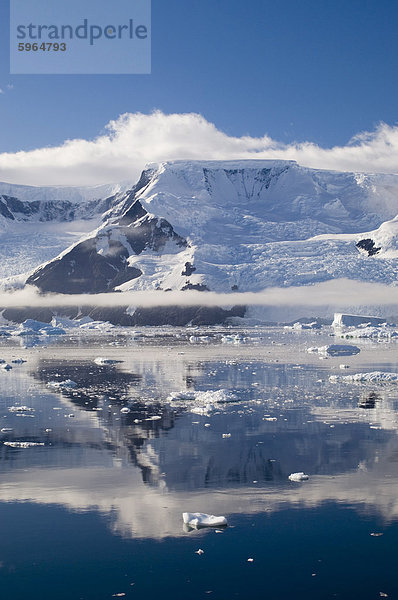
(133, 140)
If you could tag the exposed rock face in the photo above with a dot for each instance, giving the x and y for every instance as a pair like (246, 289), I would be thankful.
(15, 209)
(100, 262)
(163, 315)
(368, 246)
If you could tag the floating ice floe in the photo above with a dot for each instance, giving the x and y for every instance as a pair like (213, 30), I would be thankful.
(197, 520)
(125, 410)
(341, 320)
(33, 327)
(20, 409)
(300, 476)
(23, 444)
(300, 326)
(197, 339)
(232, 339)
(380, 333)
(373, 377)
(335, 350)
(201, 403)
(67, 384)
(106, 361)
(98, 325)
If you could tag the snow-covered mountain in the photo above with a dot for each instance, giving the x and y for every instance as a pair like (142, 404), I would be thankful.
(227, 225)
(37, 223)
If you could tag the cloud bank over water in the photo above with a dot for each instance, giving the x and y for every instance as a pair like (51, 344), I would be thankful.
(336, 294)
(135, 139)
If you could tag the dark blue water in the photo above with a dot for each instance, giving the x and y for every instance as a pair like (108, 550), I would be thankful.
(95, 512)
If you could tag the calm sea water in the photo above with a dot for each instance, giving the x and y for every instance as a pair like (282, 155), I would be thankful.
(95, 511)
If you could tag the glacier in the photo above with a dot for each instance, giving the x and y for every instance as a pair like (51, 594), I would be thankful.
(223, 226)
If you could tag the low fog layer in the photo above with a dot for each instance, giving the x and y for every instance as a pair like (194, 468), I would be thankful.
(338, 293)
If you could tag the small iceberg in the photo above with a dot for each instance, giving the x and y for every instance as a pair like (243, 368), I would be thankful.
(298, 476)
(200, 402)
(106, 361)
(23, 444)
(197, 520)
(373, 377)
(67, 384)
(335, 350)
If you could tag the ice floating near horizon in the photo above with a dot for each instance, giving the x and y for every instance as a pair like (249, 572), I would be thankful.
(201, 403)
(373, 377)
(197, 520)
(232, 339)
(106, 361)
(344, 320)
(31, 327)
(67, 384)
(300, 476)
(102, 326)
(383, 333)
(335, 350)
(23, 444)
(300, 326)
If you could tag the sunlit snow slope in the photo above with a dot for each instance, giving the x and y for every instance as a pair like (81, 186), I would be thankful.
(222, 225)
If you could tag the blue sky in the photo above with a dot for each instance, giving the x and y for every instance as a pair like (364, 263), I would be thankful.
(295, 70)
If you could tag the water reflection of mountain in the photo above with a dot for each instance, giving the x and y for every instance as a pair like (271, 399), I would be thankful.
(148, 471)
(171, 451)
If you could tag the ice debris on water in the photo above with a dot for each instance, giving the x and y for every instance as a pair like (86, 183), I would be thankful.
(67, 384)
(20, 409)
(23, 444)
(373, 377)
(125, 410)
(198, 402)
(196, 520)
(300, 476)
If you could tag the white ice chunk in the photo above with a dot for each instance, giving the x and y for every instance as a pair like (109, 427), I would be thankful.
(197, 520)
(300, 476)
(23, 444)
(335, 350)
(373, 377)
(200, 402)
(341, 319)
(106, 361)
(67, 384)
